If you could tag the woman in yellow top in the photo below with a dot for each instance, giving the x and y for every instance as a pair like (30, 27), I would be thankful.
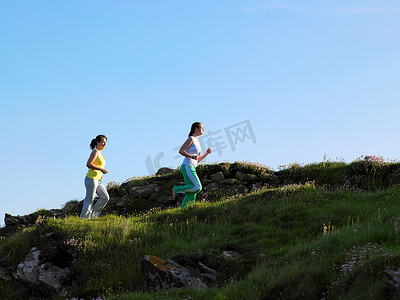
(93, 184)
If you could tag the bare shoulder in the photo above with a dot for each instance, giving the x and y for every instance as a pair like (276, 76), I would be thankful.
(190, 140)
(187, 143)
(94, 153)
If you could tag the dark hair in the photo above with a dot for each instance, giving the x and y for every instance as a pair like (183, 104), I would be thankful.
(98, 138)
(194, 126)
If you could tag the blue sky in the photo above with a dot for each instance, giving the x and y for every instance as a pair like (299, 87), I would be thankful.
(306, 78)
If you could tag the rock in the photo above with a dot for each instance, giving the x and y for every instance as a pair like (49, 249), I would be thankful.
(236, 189)
(164, 171)
(240, 176)
(29, 220)
(30, 270)
(246, 177)
(256, 186)
(165, 199)
(22, 221)
(206, 181)
(143, 191)
(230, 254)
(8, 230)
(167, 274)
(230, 181)
(57, 213)
(212, 187)
(217, 177)
(120, 203)
(210, 274)
(200, 265)
(122, 192)
(51, 275)
(252, 177)
(72, 206)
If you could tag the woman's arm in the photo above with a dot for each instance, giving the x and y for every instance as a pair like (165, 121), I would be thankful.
(91, 159)
(186, 146)
(201, 157)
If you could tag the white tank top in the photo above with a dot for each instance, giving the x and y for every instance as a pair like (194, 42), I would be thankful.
(194, 149)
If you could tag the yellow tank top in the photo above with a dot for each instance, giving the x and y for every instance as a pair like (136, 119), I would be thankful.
(98, 162)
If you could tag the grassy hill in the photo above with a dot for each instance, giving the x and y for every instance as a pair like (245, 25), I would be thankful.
(327, 230)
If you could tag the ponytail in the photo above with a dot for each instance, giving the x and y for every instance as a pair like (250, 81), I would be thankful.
(98, 138)
(194, 126)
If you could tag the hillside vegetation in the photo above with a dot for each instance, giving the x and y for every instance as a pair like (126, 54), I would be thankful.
(326, 230)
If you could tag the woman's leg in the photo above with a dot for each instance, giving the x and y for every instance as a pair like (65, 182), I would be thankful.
(91, 186)
(192, 181)
(101, 202)
(192, 185)
(188, 200)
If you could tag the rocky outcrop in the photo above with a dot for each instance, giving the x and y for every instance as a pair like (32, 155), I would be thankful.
(164, 171)
(154, 192)
(246, 177)
(33, 271)
(47, 266)
(217, 177)
(144, 191)
(197, 270)
(15, 223)
(167, 274)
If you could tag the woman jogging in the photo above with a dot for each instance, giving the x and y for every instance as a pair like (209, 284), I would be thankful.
(93, 179)
(191, 151)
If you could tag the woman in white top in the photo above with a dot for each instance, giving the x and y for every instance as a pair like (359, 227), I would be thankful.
(192, 153)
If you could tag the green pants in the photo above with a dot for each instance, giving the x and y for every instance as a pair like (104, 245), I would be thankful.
(192, 185)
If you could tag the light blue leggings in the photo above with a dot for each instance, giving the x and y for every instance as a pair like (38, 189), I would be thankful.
(92, 187)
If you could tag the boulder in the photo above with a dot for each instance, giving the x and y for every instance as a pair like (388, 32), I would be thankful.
(206, 181)
(165, 199)
(217, 177)
(57, 213)
(166, 274)
(246, 177)
(230, 181)
(30, 270)
(119, 203)
(143, 191)
(203, 266)
(240, 176)
(8, 230)
(21, 221)
(236, 189)
(252, 177)
(256, 186)
(122, 192)
(29, 220)
(212, 187)
(230, 254)
(164, 171)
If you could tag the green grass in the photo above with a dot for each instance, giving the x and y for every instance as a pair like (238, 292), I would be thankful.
(299, 239)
